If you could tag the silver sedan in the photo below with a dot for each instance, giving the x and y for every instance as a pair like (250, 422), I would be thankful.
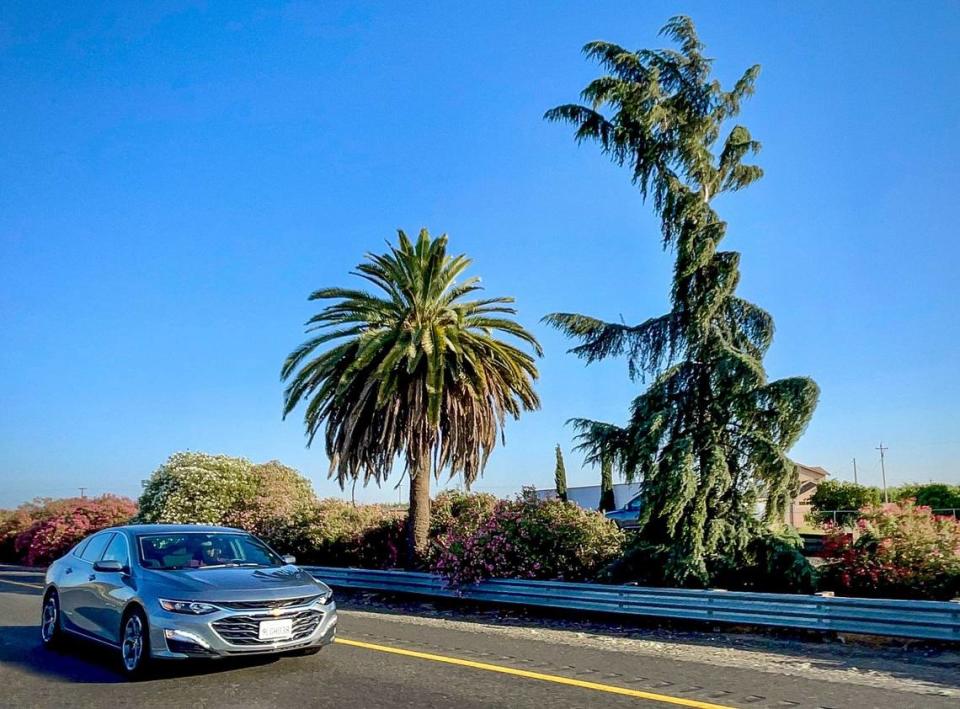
(179, 591)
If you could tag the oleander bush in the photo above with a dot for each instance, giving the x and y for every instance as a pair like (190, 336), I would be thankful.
(59, 524)
(333, 532)
(455, 508)
(897, 551)
(14, 523)
(280, 495)
(197, 488)
(530, 539)
(336, 533)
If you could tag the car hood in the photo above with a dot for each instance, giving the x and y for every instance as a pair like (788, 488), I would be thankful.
(233, 583)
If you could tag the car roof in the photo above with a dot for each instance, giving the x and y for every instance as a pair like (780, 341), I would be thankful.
(173, 528)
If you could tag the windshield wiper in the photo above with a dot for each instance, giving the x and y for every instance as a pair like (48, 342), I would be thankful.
(229, 564)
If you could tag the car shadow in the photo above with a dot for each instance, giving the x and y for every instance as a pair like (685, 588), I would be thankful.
(76, 660)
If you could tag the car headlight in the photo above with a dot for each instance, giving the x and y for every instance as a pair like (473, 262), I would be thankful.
(192, 607)
(326, 593)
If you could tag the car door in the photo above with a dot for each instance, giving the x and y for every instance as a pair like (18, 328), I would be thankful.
(110, 590)
(74, 587)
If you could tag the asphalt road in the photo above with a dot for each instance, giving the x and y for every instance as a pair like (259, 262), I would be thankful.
(382, 661)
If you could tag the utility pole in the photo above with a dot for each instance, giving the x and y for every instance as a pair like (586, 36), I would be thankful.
(855, 481)
(83, 493)
(883, 472)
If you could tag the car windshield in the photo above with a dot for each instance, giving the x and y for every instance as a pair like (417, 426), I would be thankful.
(203, 550)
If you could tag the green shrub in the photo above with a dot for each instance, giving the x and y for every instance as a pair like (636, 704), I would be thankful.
(773, 562)
(840, 495)
(897, 551)
(937, 496)
(641, 563)
(528, 538)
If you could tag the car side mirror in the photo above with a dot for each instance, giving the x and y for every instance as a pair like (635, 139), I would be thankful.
(108, 566)
(289, 559)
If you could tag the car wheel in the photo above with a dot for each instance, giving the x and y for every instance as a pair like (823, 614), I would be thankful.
(51, 633)
(134, 644)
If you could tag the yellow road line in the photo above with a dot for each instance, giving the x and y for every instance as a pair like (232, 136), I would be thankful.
(21, 583)
(556, 679)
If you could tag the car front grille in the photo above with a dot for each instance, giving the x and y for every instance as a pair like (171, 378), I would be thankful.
(266, 605)
(245, 629)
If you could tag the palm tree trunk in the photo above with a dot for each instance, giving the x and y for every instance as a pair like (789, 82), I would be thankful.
(418, 520)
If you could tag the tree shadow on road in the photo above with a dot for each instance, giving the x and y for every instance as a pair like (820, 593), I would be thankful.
(21, 580)
(89, 663)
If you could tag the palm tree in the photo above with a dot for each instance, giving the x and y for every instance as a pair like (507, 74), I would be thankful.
(416, 371)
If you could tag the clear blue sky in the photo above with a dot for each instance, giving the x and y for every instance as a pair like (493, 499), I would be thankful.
(175, 178)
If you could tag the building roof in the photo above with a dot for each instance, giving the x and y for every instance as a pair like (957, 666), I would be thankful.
(809, 472)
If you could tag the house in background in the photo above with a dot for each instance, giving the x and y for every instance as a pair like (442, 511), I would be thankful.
(588, 496)
(799, 507)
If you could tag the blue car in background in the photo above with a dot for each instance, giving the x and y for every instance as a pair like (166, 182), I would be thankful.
(627, 516)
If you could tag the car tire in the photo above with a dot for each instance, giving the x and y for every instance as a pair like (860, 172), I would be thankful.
(51, 630)
(134, 645)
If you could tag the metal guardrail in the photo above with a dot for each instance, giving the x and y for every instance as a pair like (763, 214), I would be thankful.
(930, 620)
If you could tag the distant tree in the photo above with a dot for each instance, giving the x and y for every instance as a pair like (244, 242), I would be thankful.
(607, 499)
(560, 476)
(417, 371)
(938, 496)
(840, 501)
(709, 437)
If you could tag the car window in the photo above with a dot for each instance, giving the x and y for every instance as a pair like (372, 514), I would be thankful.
(117, 551)
(634, 504)
(78, 550)
(197, 550)
(95, 547)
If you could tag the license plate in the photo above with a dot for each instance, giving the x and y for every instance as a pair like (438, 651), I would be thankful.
(276, 629)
